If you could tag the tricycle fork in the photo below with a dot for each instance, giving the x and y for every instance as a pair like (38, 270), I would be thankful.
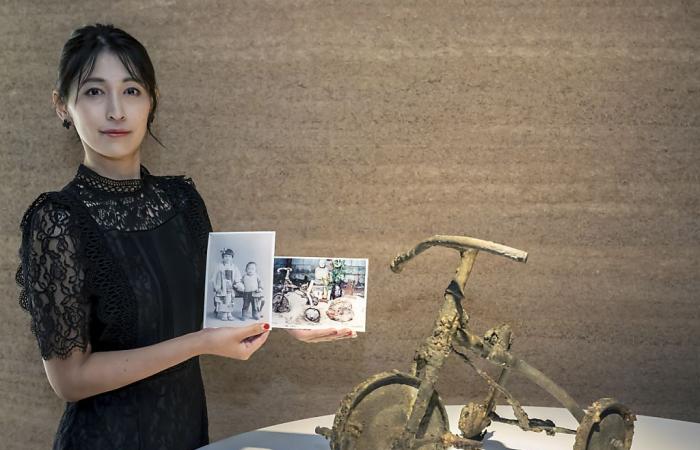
(431, 356)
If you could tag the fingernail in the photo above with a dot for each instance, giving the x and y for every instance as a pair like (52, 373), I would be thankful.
(349, 333)
(266, 326)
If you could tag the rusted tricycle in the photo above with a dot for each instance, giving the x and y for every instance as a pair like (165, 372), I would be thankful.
(401, 411)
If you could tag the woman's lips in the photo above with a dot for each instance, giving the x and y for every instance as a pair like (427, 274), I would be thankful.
(115, 133)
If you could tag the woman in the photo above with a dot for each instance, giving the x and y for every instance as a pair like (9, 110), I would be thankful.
(107, 268)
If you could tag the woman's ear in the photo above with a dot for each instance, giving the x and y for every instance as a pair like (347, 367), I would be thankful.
(61, 109)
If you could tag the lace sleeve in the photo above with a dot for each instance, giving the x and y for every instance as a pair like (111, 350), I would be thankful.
(52, 277)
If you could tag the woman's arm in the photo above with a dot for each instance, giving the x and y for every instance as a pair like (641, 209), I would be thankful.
(84, 374)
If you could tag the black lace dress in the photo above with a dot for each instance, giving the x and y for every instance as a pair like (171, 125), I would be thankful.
(119, 264)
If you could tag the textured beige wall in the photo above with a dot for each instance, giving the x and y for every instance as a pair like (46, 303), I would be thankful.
(567, 129)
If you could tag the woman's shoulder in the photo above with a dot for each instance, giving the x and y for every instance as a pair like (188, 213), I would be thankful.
(49, 206)
(183, 183)
(185, 196)
(182, 186)
(182, 179)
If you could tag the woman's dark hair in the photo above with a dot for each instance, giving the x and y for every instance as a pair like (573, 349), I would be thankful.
(85, 44)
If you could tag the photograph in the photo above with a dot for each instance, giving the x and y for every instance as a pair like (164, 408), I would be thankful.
(319, 292)
(238, 278)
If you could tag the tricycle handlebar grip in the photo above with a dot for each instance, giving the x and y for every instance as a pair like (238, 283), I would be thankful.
(460, 243)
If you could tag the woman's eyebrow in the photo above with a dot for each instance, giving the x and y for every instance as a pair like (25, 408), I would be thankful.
(102, 80)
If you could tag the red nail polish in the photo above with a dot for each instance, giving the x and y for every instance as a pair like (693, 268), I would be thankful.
(266, 326)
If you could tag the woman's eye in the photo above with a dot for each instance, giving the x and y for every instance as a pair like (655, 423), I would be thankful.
(93, 91)
(133, 91)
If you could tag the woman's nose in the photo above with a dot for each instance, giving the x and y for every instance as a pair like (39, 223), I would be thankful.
(115, 109)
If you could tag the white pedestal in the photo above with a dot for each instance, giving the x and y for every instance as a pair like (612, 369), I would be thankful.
(650, 433)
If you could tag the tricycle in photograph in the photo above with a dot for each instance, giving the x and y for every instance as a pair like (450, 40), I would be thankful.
(402, 411)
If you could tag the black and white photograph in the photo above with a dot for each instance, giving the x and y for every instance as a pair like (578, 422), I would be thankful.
(319, 292)
(238, 288)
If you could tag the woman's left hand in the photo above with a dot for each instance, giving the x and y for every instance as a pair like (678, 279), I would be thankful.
(322, 335)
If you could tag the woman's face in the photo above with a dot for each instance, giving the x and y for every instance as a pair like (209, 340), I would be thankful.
(111, 112)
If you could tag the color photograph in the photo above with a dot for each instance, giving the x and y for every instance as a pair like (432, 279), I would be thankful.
(319, 292)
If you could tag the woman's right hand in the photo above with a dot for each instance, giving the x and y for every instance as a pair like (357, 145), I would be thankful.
(233, 342)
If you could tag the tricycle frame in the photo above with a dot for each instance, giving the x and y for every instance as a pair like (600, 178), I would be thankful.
(422, 423)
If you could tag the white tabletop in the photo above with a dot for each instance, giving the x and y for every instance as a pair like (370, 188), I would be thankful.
(650, 433)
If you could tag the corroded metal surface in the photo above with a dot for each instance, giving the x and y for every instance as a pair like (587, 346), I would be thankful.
(376, 412)
(399, 411)
(607, 425)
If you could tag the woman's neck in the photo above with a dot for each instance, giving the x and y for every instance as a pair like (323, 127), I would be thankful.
(122, 169)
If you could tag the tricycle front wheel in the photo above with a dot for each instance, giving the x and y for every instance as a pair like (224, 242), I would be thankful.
(374, 415)
(607, 425)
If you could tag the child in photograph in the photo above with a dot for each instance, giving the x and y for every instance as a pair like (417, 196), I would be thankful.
(322, 278)
(252, 285)
(226, 280)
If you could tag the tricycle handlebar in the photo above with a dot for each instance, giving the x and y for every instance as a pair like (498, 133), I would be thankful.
(461, 243)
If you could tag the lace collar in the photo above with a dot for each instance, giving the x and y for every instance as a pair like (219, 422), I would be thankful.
(93, 179)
